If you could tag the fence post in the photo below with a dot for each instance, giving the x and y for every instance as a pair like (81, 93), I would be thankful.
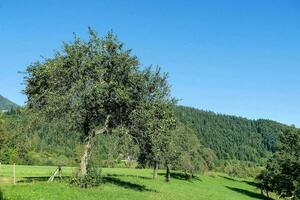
(14, 173)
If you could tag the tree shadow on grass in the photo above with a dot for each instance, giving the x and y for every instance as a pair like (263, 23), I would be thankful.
(249, 193)
(33, 179)
(181, 176)
(41, 179)
(252, 183)
(111, 178)
(133, 176)
(126, 184)
(228, 178)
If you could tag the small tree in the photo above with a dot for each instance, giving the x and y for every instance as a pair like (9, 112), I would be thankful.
(153, 121)
(171, 153)
(282, 173)
(192, 156)
(266, 181)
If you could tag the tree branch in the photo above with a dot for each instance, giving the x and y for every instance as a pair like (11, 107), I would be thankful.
(104, 128)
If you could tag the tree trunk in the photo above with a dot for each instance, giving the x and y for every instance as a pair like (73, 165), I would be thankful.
(155, 168)
(86, 156)
(89, 143)
(188, 176)
(168, 173)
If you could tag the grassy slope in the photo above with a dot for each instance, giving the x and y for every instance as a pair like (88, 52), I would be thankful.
(128, 184)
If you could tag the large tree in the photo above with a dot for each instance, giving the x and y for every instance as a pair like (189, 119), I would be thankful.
(95, 85)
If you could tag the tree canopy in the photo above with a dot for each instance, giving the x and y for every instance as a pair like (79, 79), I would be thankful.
(97, 85)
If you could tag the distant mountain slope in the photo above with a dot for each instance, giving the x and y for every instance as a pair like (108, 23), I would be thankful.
(6, 104)
(232, 137)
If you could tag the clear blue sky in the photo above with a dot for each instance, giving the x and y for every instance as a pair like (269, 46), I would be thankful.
(233, 57)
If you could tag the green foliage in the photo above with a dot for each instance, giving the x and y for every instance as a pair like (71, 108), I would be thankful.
(282, 173)
(96, 86)
(192, 156)
(93, 178)
(236, 168)
(85, 83)
(153, 120)
(28, 139)
(266, 181)
(13, 143)
(230, 137)
(111, 149)
(297, 190)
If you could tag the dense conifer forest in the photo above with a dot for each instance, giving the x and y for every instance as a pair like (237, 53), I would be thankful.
(232, 137)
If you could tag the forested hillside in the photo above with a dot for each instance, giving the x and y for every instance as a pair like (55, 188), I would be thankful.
(6, 104)
(232, 137)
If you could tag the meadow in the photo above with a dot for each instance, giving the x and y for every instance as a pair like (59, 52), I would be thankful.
(124, 184)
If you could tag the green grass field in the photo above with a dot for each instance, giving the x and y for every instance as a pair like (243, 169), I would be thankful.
(124, 184)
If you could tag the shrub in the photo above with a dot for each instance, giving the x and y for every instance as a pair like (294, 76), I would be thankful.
(237, 168)
(92, 179)
(109, 163)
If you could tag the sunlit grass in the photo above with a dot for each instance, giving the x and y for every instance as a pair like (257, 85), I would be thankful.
(129, 184)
